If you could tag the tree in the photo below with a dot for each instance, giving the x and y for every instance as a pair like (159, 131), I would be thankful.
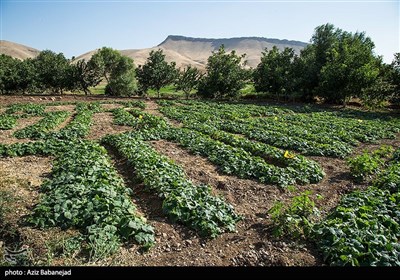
(116, 69)
(225, 76)
(124, 84)
(82, 76)
(395, 77)
(188, 80)
(8, 74)
(275, 73)
(350, 68)
(156, 72)
(27, 76)
(51, 70)
(313, 58)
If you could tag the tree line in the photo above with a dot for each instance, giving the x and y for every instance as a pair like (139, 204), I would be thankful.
(336, 66)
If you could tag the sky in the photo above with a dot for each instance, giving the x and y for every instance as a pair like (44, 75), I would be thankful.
(74, 27)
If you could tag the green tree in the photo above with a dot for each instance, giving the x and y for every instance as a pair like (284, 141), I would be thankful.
(395, 77)
(225, 76)
(8, 74)
(27, 76)
(116, 69)
(276, 72)
(381, 90)
(82, 76)
(156, 72)
(313, 58)
(125, 82)
(51, 70)
(188, 80)
(350, 68)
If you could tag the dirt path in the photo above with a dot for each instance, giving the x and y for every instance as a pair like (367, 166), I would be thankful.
(152, 108)
(102, 125)
(68, 108)
(111, 106)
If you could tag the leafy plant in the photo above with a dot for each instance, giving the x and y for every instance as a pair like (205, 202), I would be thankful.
(7, 121)
(194, 206)
(389, 179)
(365, 166)
(85, 192)
(26, 108)
(50, 121)
(363, 230)
(296, 219)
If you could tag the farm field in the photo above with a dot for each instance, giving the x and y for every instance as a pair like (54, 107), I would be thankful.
(92, 181)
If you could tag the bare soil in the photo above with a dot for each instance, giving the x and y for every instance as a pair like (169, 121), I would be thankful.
(102, 125)
(68, 108)
(21, 178)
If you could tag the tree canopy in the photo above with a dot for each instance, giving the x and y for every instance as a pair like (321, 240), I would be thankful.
(156, 72)
(225, 76)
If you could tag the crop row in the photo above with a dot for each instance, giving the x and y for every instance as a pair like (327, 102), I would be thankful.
(331, 125)
(389, 179)
(230, 160)
(26, 108)
(239, 156)
(80, 125)
(288, 140)
(235, 111)
(49, 121)
(184, 202)
(137, 119)
(364, 229)
(316, 133)
(7, 121)
(304, 170)
(85, 192)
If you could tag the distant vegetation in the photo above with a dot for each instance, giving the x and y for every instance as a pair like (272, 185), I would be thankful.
(336, 66)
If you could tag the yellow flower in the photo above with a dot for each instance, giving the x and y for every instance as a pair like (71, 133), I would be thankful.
(276, 118)
(360, 120)
(288, 155)
(140, 117)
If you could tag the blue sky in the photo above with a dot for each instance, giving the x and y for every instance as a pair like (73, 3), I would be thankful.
(75, 27)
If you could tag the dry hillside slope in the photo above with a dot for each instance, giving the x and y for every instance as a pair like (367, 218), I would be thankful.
(195, 51)
(17, 50)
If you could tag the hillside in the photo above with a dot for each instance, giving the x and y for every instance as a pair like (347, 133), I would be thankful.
(195, 51)
(183, 50)
(199, 49)
(17, 50)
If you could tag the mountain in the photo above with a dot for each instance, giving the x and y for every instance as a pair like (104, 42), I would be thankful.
(199, 49)
(183, 50)
(195, 51)
(17, 50)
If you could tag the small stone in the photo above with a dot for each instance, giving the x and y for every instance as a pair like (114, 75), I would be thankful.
(189, 242)
(164, 235)
(203, 245)
(252, 246)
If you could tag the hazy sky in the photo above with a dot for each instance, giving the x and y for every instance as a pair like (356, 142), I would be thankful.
(75, 27)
